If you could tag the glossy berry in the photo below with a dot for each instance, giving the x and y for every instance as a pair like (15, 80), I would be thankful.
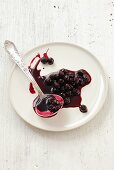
(80, 73)
(71, 75)
(56, 76)
(50, 61)
(71, 79)
(55, 102)
(61, 81)
(63, 70)
(86, 78)
(76, 92)
(83, 108)
(61, 73)
(62, 89)
(53, 90)
(66, 78)
(50, 107)
(62, 95)
(80, 82)
(71, 87)
(44, 60)
(57, 85)
(53, 105)
(54, 109)
(68, 93)
(48, 81)
(52, 76)
(67, 100)
(67, 87)
(58, 107)
(73, 84)
(49, 101)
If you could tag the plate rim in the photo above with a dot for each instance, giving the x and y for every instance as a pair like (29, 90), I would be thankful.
(81, 122)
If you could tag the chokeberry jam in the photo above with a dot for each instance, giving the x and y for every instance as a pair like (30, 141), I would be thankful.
(66, 83)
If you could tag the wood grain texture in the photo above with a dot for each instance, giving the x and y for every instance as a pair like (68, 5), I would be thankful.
(89, 23)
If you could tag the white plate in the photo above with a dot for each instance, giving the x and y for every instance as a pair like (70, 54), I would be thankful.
(67, 56)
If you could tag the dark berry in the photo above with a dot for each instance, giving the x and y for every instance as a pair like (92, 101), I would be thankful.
(48, 81)
(76, 92)
(54, 109)
(52, 104)
(80, 82)
(61, 81)
(76, 81)
(55, 102)
(50, 61)
(66, 78)
(54, 90)
(56, 76)
(58, 107)
(67, 100)
(50, 107)
(68, 93)
(83, 108)
(57, 85)
(73, 84)
(62, 89)
(80, 73)
(71, 75)
(71, 80)
(44, 60)
(64, 70)
(49, 101)
(87, 79)
(52, 76)
(61, 73)
(67, 87)
(62, 95)
(71, 87)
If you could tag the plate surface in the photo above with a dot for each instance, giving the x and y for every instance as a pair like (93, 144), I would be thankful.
(67, 56)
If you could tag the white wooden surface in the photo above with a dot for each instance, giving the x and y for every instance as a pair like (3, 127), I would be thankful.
(89, 23)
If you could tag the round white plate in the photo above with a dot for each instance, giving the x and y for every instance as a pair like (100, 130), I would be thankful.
(67, 56)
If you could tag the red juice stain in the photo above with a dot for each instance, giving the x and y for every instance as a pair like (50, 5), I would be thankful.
(31, 89)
